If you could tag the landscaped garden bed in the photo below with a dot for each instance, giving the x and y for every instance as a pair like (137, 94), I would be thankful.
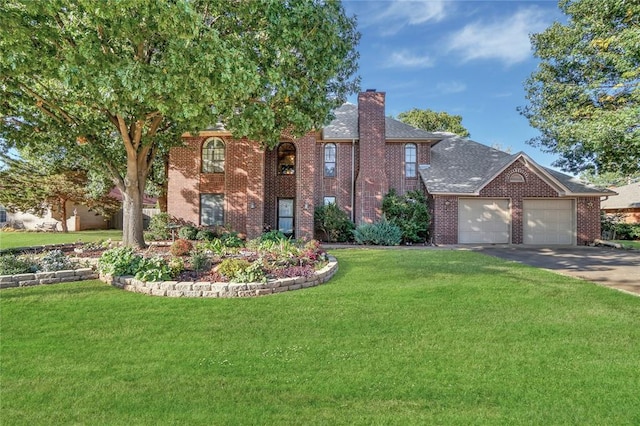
(217, 264)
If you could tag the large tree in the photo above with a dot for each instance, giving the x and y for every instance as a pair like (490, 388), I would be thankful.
(434, 121)
(117, 82)
(585, 95)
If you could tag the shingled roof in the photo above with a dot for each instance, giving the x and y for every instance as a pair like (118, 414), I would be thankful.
(628, 197)
(462, 166)
(345, 127)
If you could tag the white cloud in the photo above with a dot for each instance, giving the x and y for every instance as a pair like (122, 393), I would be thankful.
(506, 40)
(406, 59)
(449, 87)
(395, 15)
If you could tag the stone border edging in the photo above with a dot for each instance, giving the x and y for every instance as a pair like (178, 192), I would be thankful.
(222, 290)
(40, 278)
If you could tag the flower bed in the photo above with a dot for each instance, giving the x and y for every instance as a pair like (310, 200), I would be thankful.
(219, 267)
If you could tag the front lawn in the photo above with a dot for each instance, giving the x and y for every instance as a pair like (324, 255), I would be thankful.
(628, 244)
(28, 239)
(396, 337)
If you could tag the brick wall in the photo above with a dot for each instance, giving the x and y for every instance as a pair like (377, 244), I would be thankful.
(184, 180)
(588, 219)
(371, 181)
(444, 219)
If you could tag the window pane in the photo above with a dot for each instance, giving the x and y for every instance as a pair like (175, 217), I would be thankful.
(330, 153)
(286, 159)
(213, 156)
(285, 208)
(330, 169)
(329, 200)
(410, 153)
(285, 225)
(212, 209)
(410, 170)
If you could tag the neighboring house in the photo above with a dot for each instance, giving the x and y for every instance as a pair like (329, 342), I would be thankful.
(626, 203)
(477, 194)
(80, 219)
(149, 209)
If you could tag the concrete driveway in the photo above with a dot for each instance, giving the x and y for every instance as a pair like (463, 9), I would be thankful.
(619, 269)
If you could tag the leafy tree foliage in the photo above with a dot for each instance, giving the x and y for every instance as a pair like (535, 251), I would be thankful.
(433, 121)
(409, 212)
(30, 187)
(585, 95)
(608, 179)
(117, 83)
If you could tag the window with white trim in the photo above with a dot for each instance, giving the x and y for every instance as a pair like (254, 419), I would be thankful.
(330, 160)
(410, 160)
(213, 156)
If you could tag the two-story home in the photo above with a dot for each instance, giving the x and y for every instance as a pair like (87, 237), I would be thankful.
(477, 194)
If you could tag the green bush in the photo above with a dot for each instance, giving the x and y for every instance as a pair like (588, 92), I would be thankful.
(153, 269)
(232, 240)
(273, 235)
(232, 267)
(382, 233)
(188, 232)
(215, 246)
(332, 224)
(119, 261)
(410, 213)
(619, 229)
(11, 264)
(205, 235)
(253, 273)
(159, 227)
(199, 261)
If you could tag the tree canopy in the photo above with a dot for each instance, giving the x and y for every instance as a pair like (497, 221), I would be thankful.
(585, 95)
(433, 121)
(116, 83)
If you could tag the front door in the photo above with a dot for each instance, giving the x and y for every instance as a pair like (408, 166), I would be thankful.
(286, 209)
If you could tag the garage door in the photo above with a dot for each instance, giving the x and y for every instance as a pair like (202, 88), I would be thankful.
(549, 222)
(483, 221)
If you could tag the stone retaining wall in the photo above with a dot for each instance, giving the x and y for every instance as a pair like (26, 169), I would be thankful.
(212, 289)
(39, 278)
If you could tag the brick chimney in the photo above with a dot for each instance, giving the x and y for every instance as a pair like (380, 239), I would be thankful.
(371, 183)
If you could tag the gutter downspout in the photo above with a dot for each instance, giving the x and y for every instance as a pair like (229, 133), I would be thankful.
(353, 180)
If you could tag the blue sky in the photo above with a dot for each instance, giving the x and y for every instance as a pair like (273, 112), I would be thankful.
(468, 58)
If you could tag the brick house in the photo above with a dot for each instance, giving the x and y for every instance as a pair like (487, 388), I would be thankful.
(477, 194)
(626, 203)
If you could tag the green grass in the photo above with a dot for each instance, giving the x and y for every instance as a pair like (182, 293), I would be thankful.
(396, 337)
(28, 239)
(628, 244)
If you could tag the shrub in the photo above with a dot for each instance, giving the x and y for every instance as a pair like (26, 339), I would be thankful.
(188, 232)
(119, 261)
(54, 260)
(273, 235)
(215, 246)
(205, 235)
(332, 223)
(153, 269)
(232, 267)
(181, 247)
(251, 274)
(382, 233)
(159, 227)
(231, 239)
(409, 212)
(11, 264)
(199, 261)
(176, 266)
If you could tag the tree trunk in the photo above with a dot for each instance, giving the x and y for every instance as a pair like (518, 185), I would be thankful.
(132, 223)
(63, 210)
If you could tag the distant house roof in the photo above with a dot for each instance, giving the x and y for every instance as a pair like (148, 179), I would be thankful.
(345, 127)
(628, 197)
(147, 200)
(462, 166)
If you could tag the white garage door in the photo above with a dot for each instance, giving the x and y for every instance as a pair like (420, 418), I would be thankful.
(549, 222)
(483, 221)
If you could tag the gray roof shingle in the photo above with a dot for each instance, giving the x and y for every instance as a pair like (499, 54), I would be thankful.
(462, 166)
(628, 197)
(345, 126)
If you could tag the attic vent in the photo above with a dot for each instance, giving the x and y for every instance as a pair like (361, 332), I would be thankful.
(516, 178)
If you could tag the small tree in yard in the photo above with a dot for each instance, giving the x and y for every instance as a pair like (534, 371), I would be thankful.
(30, 187)
(118, 82)
(409, 212)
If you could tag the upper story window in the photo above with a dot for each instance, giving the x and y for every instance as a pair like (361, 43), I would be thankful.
(330, 160)
(410, 160)
(213, 156)
(286, 159)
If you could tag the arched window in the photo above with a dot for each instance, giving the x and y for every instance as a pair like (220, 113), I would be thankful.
(410, 160)
(516, 178)
(330, 160)
(213, 156)
(286, 159)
